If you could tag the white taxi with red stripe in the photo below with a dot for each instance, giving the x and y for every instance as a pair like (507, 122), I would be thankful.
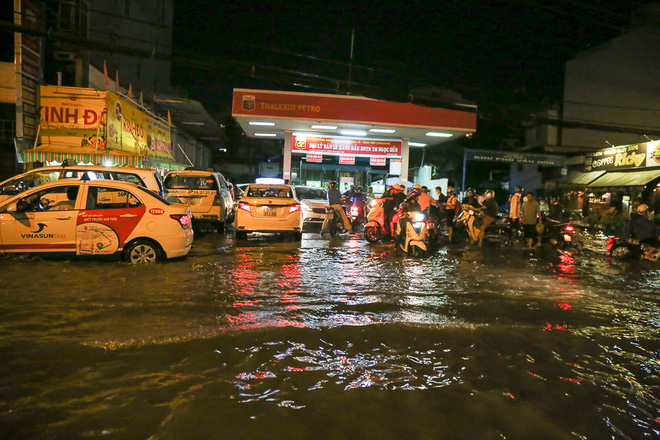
(95, 218)
(269, 208)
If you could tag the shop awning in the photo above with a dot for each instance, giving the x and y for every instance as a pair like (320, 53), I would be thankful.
(613, 179)
(99, 159)
(578, 178)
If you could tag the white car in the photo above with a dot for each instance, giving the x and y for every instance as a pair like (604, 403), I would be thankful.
(269, 208)
(95, 217)
(314, 203)
(146, 177)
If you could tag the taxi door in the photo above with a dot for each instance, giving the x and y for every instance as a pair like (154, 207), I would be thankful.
(41, 221)
(109, 217)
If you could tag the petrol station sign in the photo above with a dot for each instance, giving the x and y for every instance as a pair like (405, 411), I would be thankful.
(333, 146)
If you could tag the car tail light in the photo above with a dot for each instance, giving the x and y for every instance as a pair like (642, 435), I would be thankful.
(244, 206)
(217, 200)
(569, 228)
(183, 219)
(294, 208)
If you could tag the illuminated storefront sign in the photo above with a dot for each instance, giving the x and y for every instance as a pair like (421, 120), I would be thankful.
(345, 147)
(378, 161)
(636, 156)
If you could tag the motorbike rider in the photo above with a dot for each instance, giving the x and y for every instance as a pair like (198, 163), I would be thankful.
(359, 199)
(334, 202)
(471, 203)
(489, 209)
(642, 229)
(425, 201)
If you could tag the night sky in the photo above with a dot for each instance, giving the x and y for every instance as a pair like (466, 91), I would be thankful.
(493, 52)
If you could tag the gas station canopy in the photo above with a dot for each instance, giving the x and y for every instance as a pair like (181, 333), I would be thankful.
(343, 125)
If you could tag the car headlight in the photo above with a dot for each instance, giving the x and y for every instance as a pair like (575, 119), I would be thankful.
(306, 208)
(419, 217)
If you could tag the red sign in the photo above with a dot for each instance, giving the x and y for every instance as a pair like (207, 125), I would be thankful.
(378, 161)
(347, 160)
(320, 107)
(339, 146)
(311, 157)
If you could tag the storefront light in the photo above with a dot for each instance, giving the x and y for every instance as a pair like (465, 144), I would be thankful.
(353, 132)
(382, 130)
(416, 144)
(266, 124)
(325, 127)
(266, 134)
(439, 134)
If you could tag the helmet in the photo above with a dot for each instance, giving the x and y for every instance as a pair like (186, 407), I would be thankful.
(333, 185)
(417, 186)
(519, 189)
(389, 188)
(490, 192)
(642, 208)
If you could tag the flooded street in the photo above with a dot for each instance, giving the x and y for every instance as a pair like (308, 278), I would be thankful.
(331, 339)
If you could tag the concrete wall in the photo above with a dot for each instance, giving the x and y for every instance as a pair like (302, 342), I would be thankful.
(614, 83)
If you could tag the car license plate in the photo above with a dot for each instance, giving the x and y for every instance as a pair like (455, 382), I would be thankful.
(269, 212)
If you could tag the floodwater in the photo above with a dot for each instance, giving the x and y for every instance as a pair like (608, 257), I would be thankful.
(331, 339)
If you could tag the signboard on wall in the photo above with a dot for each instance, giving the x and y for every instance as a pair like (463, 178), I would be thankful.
(313, 157)
(395, 167)
(334, 146)
(514, 157)
(378, 161)
(625, 157)
(132, 130)
(72, 117)
(347, 160)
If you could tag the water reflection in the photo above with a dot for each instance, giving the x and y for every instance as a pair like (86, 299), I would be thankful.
(270, 338)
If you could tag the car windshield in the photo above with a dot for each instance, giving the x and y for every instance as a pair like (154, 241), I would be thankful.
(28, 181)
(311, 193)
(269, 192)
(180, 181)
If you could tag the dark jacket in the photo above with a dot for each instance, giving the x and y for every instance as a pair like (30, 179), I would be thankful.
(639, 227)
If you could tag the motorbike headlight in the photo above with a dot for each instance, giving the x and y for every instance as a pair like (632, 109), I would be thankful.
(419, 217)
(372, 203)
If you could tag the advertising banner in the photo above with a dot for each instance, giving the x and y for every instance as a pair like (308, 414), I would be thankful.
(347, 160)
(311, 157)
(131, 130)
(72, 117)
(343, 147)
(395, 167)
(626, 157)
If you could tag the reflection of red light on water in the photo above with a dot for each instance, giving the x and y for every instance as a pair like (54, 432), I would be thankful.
(565, 305)
(550, 327)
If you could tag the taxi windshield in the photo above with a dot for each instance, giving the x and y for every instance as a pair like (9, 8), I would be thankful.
(180, 181)
(260, 191)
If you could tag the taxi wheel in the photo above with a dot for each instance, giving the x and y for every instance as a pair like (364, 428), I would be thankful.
(220, 227)
(241, 235)
(142, 252)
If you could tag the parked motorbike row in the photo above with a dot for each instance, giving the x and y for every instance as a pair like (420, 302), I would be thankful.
(417, 233)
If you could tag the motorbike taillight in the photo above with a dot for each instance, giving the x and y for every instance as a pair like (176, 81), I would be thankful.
(569, 228)
(355, 210)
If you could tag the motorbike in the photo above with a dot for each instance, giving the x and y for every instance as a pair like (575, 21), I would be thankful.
(631, 248)
(411, 233)
(468, 223)
(355, 214)
(375, 227)
(335, 223)
(557, 234)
